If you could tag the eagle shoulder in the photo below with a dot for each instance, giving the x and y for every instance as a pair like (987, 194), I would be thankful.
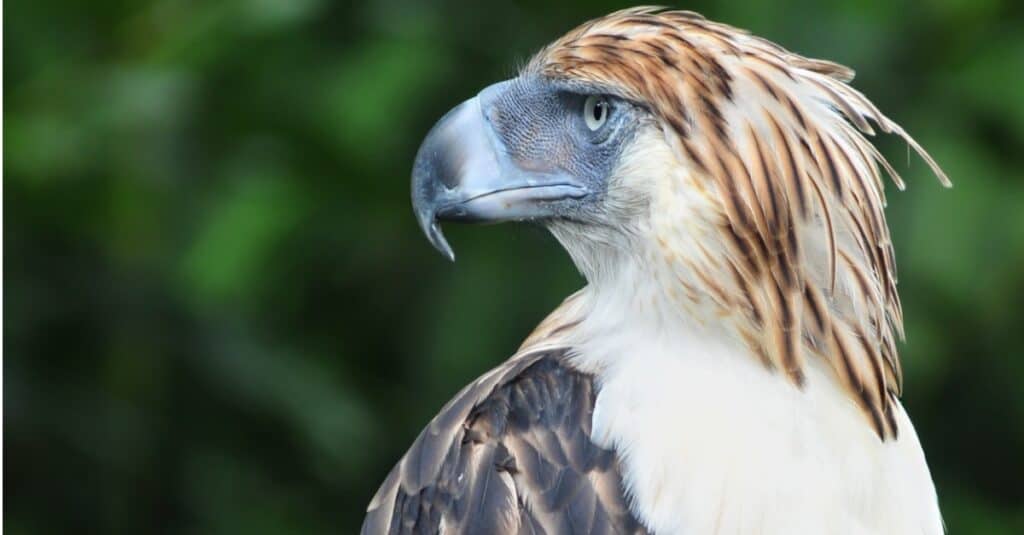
(511, 453)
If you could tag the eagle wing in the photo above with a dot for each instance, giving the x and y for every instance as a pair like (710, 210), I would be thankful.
(511, 453)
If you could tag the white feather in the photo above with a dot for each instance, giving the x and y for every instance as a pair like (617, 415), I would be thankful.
(710, 440)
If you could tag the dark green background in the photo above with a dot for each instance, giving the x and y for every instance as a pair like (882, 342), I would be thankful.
(221, 316)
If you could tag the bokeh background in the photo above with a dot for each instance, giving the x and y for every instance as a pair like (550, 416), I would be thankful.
(220, 316)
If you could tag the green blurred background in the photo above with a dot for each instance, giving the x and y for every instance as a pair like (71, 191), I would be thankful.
(221, 316)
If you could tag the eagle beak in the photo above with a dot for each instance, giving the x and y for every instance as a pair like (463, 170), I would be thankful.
(463, 172)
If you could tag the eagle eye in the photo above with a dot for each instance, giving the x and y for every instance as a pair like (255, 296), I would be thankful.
(595, 111)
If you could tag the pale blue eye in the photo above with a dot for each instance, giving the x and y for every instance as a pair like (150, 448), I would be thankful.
(595, 111)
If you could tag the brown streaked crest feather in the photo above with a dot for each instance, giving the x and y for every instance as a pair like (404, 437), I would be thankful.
(783, 140)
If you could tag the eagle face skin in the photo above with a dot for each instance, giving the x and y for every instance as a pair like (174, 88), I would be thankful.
(738, 332)
(529, 148)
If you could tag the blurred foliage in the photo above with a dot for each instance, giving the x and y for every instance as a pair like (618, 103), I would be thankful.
(221, 317)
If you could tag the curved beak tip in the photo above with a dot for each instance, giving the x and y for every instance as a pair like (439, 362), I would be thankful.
(439, 242)
(432, 229)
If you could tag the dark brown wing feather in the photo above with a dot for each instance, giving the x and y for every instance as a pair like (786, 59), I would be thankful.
(511, 453)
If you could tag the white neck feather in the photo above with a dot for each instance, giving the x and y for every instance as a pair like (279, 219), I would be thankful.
(710, 440)
(713, 442)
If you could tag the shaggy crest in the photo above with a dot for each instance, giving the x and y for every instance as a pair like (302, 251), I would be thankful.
(781, 141)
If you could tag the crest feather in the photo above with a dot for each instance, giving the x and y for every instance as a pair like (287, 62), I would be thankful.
(783, 140)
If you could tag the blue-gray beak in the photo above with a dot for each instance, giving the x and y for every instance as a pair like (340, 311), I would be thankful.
(463, 172)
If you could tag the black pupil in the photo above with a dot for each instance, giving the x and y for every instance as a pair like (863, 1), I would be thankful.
(599, 110)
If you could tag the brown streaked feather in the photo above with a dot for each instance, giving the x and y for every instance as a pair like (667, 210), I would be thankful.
(792, 170)
(781, 139)
(830, 233)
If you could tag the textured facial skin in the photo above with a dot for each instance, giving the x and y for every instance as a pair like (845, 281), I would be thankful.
(526, 149)
(541, 124)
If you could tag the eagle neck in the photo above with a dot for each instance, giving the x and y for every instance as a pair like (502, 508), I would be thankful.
(634, 294)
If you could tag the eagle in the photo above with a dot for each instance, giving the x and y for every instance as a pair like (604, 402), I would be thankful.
(731, 364)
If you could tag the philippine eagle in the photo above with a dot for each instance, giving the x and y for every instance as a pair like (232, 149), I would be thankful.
(731, 364)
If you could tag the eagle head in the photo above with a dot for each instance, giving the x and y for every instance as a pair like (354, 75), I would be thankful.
(732, 176)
